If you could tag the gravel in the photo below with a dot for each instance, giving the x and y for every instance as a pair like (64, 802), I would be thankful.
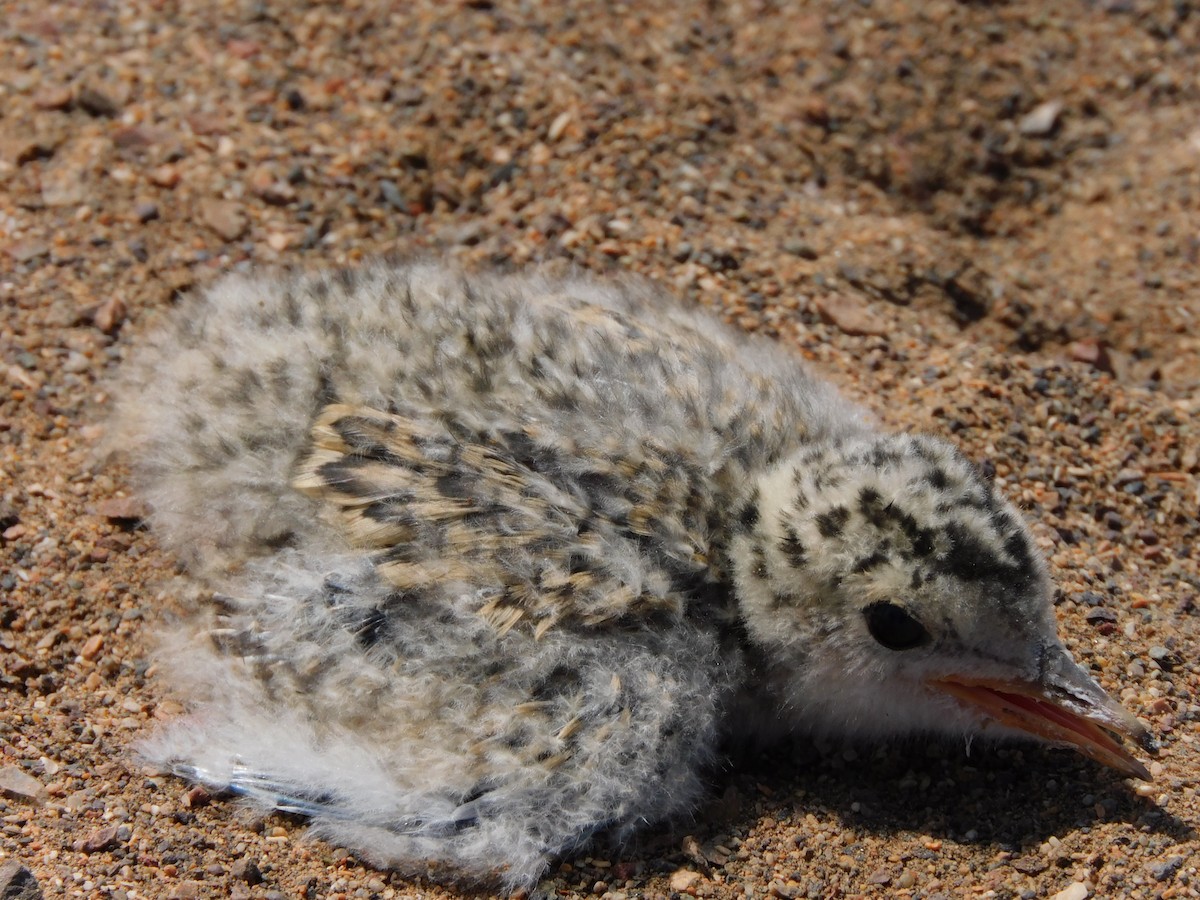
(971, 216)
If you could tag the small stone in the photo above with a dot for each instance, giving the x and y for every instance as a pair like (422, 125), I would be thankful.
(92, 648)
(109, 315)
(272, 190)
(1164, 657)
(224, 217)
(390, 193)
(906, 880)
(800, 248)
(684, 880)
(166, 176)
(18, 883)
(24, 251)
(1077, 891)
(246, 870)
(196, 796)
(1165, 869)
(880, 876)
(97, 103)
(1098, 615)
(1030, 865)
(65, 182)
(124, 508)
(52, 97)
(24, 149)
(558, 127)
(849, 315)
(1092, 352)
(145, 211)
(1041, 120)
(98, 841)
(20, 785)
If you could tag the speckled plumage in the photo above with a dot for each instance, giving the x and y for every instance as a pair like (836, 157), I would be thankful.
(493, 562)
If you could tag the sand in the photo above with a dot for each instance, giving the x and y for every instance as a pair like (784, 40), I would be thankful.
(982, 220)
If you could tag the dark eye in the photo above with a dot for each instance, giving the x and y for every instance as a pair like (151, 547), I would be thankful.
(894, 627)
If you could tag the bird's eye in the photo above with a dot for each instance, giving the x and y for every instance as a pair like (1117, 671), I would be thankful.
(894, 627)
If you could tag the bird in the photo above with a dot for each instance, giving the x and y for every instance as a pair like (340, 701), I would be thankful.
(483, 566)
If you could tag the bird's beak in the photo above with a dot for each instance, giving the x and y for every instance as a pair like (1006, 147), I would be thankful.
(1064, 706)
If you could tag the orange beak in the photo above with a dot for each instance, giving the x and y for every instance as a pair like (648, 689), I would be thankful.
(1085, 718)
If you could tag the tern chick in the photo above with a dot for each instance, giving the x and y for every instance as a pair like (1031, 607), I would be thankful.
(487, 565)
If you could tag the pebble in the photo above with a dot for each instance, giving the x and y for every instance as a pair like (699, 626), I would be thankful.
(1165, 869)
(92, 648)
(99, 840)
(53, 97)
(165, 176)
(97, 103)
(26, 250)
(123, 508)
(849, 315)
(109, 315)
(1041, 120)
(684, 880)
(1076, 891)
(800, 248)
(225, 217)
(145, 211)
(246, 870)
(20, 785)
(18, 883)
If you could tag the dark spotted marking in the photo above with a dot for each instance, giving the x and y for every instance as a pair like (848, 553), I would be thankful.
(937, 478)
(291, 309)
(456, 486)
(346, 279)
(832, 523)
(885, 457)
(760, 562)
(970, 560)
(867, 563)
(792, 548)
(748, 517)
(871, 505)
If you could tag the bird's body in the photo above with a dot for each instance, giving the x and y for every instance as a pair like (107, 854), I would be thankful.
(494, 562)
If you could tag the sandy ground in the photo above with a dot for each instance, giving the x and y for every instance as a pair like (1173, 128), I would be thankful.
(983, 220)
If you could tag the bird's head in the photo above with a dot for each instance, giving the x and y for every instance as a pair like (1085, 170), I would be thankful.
(894, 591)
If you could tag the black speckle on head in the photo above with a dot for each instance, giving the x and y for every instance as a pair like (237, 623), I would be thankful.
(832, 523)
(871, 505)
(748, 517)
(760, 562)
(937, 478)
(1017, 546)
(918, 579)
(884, 457)
(922, 541)
(971, 560)
(792, 549)
(867, 563)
